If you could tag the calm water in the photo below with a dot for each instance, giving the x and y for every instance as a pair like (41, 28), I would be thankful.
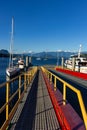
(5, 61)
(3, 65)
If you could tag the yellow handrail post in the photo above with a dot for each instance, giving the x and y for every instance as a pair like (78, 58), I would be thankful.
(25, 82)
(82, 107)
(19, 86)
(50, 77)
(46, 73)
(31, 74)
(54, 83)
(28, 78)
(7, 100)
(64, 94)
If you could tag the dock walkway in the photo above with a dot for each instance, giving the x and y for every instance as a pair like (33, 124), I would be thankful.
(35, 111)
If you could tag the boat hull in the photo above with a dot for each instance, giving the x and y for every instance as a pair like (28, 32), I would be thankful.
(82, 69)
(11, 72)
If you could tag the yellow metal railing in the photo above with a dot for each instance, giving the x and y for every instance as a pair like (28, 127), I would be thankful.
(75, 90)
(22, 84)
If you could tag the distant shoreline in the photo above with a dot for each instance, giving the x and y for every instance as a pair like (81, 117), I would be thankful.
(4, 55)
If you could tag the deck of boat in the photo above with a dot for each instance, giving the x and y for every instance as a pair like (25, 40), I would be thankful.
(35, 112)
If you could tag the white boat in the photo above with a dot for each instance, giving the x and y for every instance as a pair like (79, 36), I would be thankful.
(12, 70)
(80, 64)
(38, 58)
(21, 63)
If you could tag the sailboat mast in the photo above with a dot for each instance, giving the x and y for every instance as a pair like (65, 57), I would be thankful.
(11, 44)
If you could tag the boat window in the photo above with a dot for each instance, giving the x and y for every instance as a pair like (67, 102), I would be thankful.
(83, 63)
(85, 59)
(78, 59)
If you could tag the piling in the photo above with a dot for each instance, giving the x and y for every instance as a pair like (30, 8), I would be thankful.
(62, 63)
(27, 61)
(73, 64)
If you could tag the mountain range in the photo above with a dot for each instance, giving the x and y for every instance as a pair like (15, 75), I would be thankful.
(52, 54)
(44, 54)
(4, 53)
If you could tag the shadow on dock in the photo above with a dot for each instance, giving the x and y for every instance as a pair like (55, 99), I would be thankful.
(27, 116)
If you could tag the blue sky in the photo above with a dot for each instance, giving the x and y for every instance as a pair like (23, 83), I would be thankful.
(44, 25)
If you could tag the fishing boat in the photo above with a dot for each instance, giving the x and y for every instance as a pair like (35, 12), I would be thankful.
(12, 70)
(80, 62)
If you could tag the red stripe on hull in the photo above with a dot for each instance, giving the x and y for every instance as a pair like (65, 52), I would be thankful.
(73, 73)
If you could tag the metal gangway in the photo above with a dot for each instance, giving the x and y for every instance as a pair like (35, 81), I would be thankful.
(33, 109)
(36, 103)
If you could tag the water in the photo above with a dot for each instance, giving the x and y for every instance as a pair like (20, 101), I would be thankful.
(44, 61)
(5, 61)
(3, 65)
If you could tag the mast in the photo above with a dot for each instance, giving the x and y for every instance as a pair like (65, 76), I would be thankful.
(79, 51)
(11, 44)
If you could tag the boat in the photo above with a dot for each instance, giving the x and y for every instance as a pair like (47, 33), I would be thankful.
(21, 63)
(12, 70)
(38, 58)
(80, 62)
